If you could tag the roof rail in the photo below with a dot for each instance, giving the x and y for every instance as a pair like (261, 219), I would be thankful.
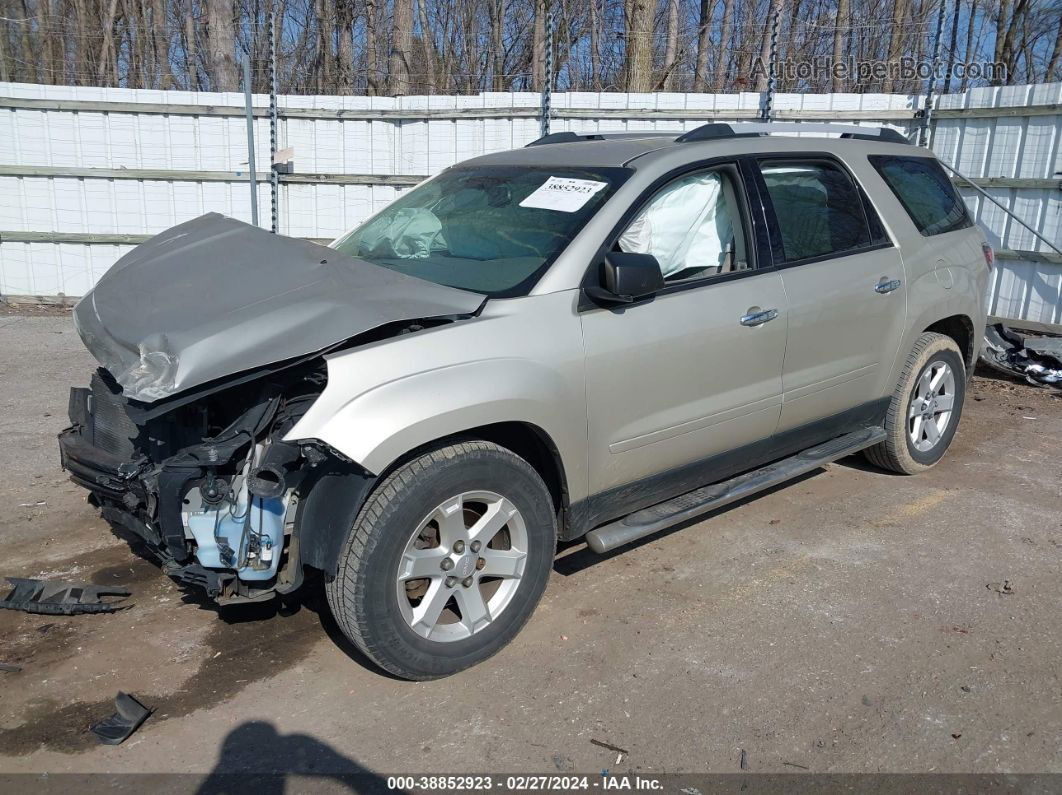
(573, 137)
(558, 138)
(715, 131)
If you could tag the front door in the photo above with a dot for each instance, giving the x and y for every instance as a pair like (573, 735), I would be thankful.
(677, 383)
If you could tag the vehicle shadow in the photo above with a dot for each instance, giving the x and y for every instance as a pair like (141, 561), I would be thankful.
(860, 464)
(256, 758)
(575, 556)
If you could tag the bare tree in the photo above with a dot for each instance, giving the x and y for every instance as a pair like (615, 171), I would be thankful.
(953, 49)
(1056, 53)
(49, 61)
(765, 45)
(1007, 52)
(899, 20)
(969, 42)
(538, 46)
(161, 40)
(106, 69)
(398, 64)
(221, 45)
(191, 47)
(637, 29)
(704, 43)
(726, 35)
(5, 63)
(344, 12)
(372, 52)
(840, 28)
(428, 45)
(413, 46)
(671, 47)
(496, 9)
(595, 45)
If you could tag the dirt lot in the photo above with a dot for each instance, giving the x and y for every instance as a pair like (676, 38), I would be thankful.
(851, 621)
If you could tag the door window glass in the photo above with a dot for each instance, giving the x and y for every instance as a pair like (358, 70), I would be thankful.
(692, 227)
(818, 207)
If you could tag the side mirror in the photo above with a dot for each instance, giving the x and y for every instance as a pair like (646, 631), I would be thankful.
(628, 278)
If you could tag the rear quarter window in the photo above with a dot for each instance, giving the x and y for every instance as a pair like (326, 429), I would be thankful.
(925, 192)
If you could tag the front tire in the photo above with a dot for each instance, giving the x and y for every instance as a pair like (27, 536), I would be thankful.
(925, 409)
(446, 561)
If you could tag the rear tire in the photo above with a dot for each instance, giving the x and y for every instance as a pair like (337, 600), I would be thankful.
(423, 592)
(925, 409)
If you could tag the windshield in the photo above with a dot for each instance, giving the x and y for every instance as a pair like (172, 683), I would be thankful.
(489, 229)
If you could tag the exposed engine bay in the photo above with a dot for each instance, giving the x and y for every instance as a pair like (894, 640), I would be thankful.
(209, 485)
(212, 339)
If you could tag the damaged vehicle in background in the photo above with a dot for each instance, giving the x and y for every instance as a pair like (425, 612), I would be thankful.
(591, 337)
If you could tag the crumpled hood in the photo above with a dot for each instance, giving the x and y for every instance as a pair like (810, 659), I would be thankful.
(214, 296)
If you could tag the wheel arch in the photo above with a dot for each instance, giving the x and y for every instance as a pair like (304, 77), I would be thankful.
(948, 312)
(335, 496)
(961, 329)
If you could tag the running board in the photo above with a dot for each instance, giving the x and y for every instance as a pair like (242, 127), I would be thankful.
(707, 498)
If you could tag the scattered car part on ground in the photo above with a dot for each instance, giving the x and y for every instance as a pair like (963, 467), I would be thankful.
(62, 598)
(1005, 588)
(8, 668)
(609, 746)
(1036, 358)
(592, 337)
(128, 716)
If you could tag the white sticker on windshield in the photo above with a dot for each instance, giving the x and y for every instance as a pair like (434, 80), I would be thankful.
(563, 194)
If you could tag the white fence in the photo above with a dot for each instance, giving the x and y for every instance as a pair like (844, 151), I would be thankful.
(85, 173)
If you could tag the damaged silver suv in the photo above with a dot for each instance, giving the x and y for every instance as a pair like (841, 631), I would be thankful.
(595, 336)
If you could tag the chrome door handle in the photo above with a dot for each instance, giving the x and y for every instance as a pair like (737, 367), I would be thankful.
(887, 286)
(759, 318)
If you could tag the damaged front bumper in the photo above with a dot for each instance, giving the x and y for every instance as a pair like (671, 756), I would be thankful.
(210, 338)
(218, 513)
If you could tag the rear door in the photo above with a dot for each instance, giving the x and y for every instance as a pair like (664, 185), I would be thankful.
(845, 285)
(677, 383)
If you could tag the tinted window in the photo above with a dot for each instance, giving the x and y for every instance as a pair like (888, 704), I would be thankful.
(925, 192)
(488, 229)
(818, 207)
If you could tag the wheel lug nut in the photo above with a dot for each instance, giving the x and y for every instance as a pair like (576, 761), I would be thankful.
(447, 564)
(475, 546)
(481, 563)
(459, 547)
(467, 582)
(451, 582)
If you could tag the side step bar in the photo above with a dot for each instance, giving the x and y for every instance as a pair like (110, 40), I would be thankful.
(707, 498)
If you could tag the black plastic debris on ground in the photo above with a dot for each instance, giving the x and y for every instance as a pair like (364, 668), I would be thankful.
(61, 598)
(129, 714)
(1036, 358)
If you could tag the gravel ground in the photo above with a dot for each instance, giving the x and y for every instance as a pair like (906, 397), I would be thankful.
(852, 621)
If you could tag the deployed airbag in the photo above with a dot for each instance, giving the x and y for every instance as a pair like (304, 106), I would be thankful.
(684, 226)
(214, 297)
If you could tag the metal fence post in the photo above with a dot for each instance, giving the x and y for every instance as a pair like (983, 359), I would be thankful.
(547, 88)
(274, 179)
(251, 179)
(772, 75)
(927, 113)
